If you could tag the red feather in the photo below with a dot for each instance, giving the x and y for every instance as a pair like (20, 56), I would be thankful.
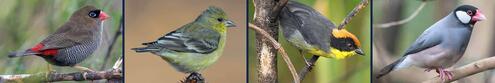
(48, 52)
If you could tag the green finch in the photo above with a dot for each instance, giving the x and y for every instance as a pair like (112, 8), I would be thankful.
(312, 33)
(194, 46)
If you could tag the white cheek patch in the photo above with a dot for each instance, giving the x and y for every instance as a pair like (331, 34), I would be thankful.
(463, 16)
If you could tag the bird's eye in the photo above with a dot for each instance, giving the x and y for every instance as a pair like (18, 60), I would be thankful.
(220, 19)
(469, 12)
(349, 45)
(93, 14)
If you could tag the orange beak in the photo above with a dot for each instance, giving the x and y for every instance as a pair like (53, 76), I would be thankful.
(103, 16)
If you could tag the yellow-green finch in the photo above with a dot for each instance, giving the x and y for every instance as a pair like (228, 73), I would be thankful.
(312, 33)
(194, 46)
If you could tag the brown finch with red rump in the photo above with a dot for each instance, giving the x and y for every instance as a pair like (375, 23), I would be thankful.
(73, 42)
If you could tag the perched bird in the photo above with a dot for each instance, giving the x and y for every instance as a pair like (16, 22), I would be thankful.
(442, 44)
(194, 46)
(312, 33)
(73, 42)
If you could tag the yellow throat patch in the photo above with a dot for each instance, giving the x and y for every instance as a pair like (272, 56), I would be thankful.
(341, 54)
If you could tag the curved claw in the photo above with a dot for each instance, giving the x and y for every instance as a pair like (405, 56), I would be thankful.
(445, 74)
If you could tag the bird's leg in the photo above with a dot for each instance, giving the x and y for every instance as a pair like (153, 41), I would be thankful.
(194, 78)
(82, 68)
(303, 56)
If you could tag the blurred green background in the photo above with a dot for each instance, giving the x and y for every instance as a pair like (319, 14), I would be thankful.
(390, 43)
(24, 23)
(355, 69)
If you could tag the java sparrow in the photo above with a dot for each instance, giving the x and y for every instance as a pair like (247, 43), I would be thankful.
(441, 45)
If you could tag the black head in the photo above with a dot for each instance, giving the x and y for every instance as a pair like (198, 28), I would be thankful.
(345, 41)
(468, 14)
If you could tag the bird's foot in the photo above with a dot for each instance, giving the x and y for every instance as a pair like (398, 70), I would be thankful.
(194, 78)
(85, 69)
(444, 74)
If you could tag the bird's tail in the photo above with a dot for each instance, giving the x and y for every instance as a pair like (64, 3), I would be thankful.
(21, 53)
(143, 49)
(387, 69)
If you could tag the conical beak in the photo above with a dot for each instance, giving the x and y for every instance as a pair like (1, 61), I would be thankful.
(229, 23)
(479, 16)
(359, 51)
(103, 16)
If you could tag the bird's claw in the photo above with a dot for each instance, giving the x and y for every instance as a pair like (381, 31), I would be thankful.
(194, 78)
(444, 74)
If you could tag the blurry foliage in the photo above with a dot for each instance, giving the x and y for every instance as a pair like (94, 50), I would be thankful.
(355, 69)
(23, 23)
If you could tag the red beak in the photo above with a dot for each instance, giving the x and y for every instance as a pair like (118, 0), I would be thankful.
(103, 16)
(479, 16)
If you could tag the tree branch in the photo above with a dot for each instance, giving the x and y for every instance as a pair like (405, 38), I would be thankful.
(55, 77)
(468, 70)
(346, 21)
(353, 13)
(279, 48)
(395, 23)
(265, 17)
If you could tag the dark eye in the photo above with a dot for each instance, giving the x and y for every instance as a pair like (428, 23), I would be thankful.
(349, 45)
(469, 12)
(220, 19)
(94, 14)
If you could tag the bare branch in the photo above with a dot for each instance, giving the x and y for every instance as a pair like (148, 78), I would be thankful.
(468, 70)
(413, 15)
(353, 13)
(55, 77)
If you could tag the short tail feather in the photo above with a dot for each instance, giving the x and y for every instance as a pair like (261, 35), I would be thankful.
(21, 53)
(387, 69)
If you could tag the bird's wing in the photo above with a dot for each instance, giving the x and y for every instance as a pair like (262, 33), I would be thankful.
(314, 27)
(66, 37)
(192, 41)
(427, 40)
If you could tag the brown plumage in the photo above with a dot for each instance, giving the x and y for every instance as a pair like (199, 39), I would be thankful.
(73, 42)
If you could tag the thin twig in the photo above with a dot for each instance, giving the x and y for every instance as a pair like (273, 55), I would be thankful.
(118, 63)
(467, 70)
(280, 50)
(346, 21)
(413, 15)
(308, 67)
(55, 77)
(353, 13)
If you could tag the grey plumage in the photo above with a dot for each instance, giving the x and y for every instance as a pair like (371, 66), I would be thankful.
(305, 27)
(438, 47)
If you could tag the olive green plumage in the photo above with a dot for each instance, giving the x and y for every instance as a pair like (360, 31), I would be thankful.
(194, 46)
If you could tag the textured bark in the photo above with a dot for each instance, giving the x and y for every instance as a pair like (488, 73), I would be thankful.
(265, 17)
(55, 77)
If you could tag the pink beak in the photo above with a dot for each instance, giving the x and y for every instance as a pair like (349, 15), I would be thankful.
(479, 16)
(103, 16)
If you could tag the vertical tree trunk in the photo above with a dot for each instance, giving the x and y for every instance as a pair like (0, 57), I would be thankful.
(265, 17)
